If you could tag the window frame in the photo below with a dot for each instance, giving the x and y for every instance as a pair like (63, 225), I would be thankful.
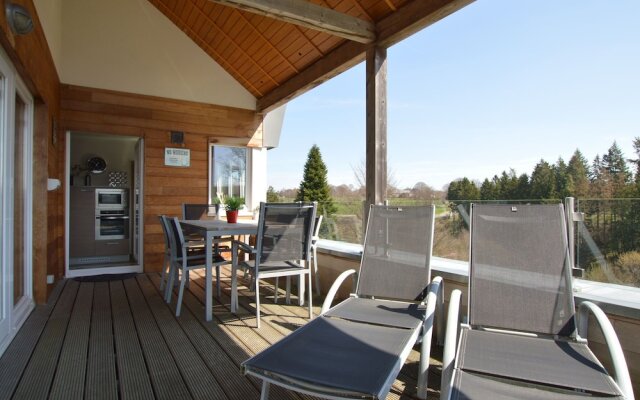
(248, 172)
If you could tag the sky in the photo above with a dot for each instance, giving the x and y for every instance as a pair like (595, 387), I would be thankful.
(500, 84)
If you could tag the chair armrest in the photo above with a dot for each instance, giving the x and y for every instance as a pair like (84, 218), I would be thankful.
(334, 289)
(450, 344)
(433, 301)
(243, 246)
(620, 369)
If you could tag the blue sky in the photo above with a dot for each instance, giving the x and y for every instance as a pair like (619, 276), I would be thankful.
(497, 85)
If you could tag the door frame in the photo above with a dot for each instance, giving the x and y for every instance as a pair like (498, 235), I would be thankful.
(129, 268)
(12, 316)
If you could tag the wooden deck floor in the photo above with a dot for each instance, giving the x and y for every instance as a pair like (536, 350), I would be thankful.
(118, 339)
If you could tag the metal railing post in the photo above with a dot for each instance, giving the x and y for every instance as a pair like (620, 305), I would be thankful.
(569, 207)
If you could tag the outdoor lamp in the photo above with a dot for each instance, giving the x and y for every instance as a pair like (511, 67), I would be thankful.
(18, 19)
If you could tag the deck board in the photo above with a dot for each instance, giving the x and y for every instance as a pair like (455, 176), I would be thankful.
(101, 380)
(17, 355)
(130, 359)
(38, 375)
(119, 339)
(70, 373)
(164, 373)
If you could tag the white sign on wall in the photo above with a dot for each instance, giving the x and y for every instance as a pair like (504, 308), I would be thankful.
(177, 157)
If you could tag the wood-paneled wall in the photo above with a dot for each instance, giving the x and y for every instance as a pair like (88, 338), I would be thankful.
(152, 118)
(31, 58)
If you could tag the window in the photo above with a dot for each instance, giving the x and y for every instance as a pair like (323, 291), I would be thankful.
(228, 174)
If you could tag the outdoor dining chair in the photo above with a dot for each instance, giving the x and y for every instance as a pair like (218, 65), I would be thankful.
(195, 250)
(523, 339)
(356, 349)
(192, 211)
(282, 249)
(179, 247)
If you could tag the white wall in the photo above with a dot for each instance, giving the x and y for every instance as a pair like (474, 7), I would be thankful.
(129, 46)
(117, 151)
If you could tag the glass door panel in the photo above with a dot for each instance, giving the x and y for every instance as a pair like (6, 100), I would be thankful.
(19, 201)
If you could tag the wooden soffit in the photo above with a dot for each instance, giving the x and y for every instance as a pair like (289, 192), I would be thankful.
(278, 49)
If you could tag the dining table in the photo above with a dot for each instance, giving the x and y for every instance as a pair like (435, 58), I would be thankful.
(210, 229)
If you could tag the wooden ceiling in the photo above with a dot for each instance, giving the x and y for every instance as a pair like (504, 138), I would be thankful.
(277, 49)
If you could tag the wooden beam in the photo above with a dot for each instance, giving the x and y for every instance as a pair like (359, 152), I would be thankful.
(414, 15)
(376, 146)
(309, 15)
(335, 62)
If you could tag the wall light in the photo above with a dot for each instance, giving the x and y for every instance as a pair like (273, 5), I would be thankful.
(18, 18)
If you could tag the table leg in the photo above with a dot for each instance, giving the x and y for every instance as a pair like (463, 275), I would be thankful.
(208, 278)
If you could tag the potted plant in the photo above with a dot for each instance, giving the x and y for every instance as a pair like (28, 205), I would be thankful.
(232, 205)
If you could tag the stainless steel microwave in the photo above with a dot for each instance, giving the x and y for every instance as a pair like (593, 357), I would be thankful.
(111, 199)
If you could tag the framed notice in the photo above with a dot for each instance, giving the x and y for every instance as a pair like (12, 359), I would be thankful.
(177, 157)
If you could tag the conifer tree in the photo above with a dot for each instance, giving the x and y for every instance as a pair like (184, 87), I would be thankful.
(578, 170)
(314, 185)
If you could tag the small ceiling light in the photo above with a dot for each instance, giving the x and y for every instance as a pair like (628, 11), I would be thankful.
(18, 19)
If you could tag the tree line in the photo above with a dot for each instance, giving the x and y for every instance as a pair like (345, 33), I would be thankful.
(608, 176)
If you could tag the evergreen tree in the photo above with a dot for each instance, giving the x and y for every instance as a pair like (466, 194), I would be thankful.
(314, 185)
(564, 183)
(543, 181)
(636, 162)
(508, 185)
(616, 165)
(524, 189)
(489, 190)
(578, 170)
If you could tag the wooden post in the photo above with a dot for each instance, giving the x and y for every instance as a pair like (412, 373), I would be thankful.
(376, 163)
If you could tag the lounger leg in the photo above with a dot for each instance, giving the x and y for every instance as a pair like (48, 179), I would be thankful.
(265, 390)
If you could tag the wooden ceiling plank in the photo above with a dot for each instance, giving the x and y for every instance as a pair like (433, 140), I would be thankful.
(412, 17)
(231, 40)
(391, 5)
(362, 10)
(339, 60)
(310, 15)
(268, 42)
(209, 49)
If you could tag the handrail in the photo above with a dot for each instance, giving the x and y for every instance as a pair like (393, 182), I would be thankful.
(620, 369)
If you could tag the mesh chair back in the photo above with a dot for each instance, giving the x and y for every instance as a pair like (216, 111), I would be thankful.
(284, 231)
(163, 224)
(176, 238)
(520, 270)
(196, 211)
(397, 253)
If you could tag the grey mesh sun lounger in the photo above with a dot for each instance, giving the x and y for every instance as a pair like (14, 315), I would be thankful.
(524, 339)
(356, 349)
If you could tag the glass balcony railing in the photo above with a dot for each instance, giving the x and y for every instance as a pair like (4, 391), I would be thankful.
(607, 241)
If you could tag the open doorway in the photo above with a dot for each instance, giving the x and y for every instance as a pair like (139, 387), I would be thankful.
(103, 204)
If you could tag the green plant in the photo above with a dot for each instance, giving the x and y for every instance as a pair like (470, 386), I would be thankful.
(233, 203)
(215, 200)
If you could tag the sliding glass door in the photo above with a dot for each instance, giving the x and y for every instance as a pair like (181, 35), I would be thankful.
(16, 138)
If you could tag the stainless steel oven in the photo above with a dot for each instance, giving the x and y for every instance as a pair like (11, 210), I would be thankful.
(112, 224)
(111, 199)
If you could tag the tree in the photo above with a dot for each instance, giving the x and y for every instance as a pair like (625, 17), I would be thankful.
(543, 181)
(578, 170)
(615, 163)
(314, 185)
(272, 196)
(360, 173)
(564, 182)
(489, 190)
